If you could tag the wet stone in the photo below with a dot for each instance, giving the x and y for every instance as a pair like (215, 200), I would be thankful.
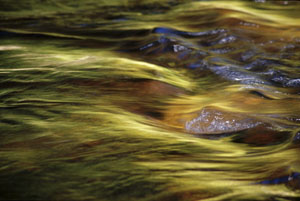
(293, 83)
(296, 138)
(214, 50)
(262, 136)
(247, 55)
(234, 73)
(223, 50)
(261, 64)
(228, 39)
(169, 31)
(213, 121)
(292, 178)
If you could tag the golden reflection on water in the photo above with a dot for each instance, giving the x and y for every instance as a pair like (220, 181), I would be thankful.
(91, 112)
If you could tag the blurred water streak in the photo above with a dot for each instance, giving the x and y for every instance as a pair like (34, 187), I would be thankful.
(149, 100)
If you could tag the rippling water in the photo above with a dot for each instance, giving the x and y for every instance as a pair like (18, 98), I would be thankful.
(149, 100)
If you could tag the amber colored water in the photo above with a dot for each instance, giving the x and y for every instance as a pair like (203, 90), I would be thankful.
(149, 100)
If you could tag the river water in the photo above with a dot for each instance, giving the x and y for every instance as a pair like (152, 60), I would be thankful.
(149, 100)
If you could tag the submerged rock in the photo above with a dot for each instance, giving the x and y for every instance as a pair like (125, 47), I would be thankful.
(296, 138)
(293, 83)
(221, 52)
(262, 136)
(213, 121)
(237, 74)
(293, 177)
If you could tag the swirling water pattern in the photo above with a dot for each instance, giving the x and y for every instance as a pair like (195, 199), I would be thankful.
(149, 100)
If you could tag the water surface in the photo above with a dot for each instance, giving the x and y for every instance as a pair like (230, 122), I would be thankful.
(149, 100)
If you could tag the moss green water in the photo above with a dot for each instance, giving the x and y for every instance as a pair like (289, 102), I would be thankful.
(149, 100)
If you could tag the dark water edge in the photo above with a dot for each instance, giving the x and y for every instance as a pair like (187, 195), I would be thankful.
(149, 100)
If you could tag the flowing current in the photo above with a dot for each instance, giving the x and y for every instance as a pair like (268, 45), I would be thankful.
(149, 100)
